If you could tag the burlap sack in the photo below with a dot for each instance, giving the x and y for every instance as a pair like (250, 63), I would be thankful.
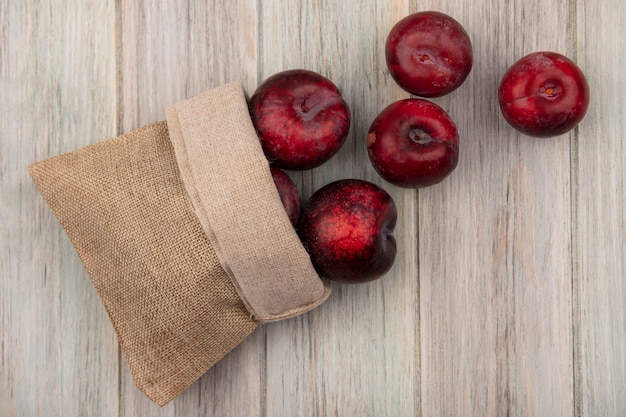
(180, 227)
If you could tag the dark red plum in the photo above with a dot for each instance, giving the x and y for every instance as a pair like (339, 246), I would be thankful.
(289, 194)
(413, 143)
(300, 118)
(429, 54)
(347, 227)
(544, 94)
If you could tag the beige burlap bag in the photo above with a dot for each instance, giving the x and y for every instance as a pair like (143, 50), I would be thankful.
(181, 229)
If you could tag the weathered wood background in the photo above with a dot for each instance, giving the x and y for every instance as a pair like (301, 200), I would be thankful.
(508, 297)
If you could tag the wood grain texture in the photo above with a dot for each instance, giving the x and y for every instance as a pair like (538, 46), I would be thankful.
(599, 233)
(338, 359)
(57, 75)
(172, 51)
(508, 297)
(495, 262)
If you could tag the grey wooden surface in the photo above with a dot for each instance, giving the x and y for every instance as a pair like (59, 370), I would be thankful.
(508, 296)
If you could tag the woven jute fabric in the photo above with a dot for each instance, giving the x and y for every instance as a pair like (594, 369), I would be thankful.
(125, 210)
(238, 205)
(182, 232)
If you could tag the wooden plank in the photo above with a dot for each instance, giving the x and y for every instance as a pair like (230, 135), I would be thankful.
(495, 261)
(508, 295)
(172, 51)
(57, 77)
(599, 207)
(358, 353)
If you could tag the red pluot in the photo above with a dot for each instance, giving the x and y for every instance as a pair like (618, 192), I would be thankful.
(429, 54)
(289, 194)
(413, 143)
(544, 94)
(347, 227)
(301, 119)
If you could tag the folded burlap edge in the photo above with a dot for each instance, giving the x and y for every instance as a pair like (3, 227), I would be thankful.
(254, 239)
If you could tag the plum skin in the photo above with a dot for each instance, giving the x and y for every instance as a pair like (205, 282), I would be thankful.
(429, 54)
(413, 143)
(543, 94)
(288, 193)
(347, 228)
(300, 117)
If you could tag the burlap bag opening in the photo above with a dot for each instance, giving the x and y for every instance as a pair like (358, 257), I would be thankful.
(182, 232)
